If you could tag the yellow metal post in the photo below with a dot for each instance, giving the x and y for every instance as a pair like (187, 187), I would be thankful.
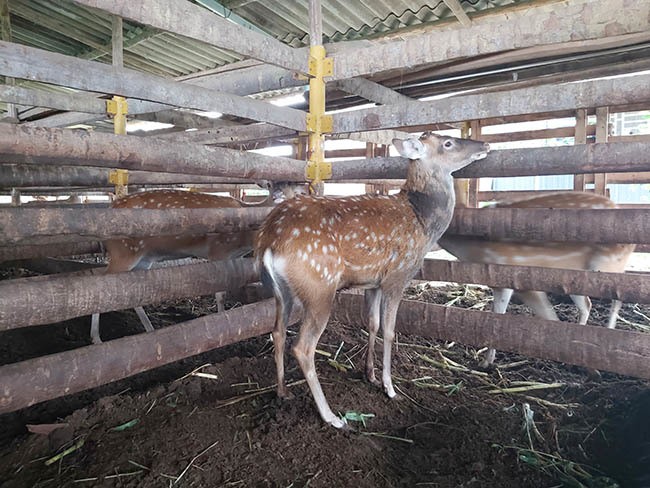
(118, 108)
(318, 123)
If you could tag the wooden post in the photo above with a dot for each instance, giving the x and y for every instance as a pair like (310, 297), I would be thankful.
(5, 25)
(580, 137)
(118, 108)
(602, 133)
(15, 197)
(472, 192)
(461, 185)
(317, 122)
(370, 153)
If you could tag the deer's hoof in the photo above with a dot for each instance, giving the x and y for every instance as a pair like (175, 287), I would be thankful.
(486, 366)
(390, 391)
(338, 423)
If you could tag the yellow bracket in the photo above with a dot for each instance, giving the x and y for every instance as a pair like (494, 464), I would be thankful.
(318, 171)
(324, 123)
(119, 178)
(321, 67)
(317, 122)
(118, 108)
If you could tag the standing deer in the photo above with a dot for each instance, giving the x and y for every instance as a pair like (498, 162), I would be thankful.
(566, 255)
(141, 253)
(310, 247)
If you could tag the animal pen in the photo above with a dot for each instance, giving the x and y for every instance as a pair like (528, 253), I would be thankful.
(516, 62)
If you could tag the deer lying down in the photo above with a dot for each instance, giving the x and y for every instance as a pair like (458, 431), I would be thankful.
(310, 247)
(141, 253)
(567, 255)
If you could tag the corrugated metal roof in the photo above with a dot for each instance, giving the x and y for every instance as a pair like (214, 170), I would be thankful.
(288, 20)
(68, 28)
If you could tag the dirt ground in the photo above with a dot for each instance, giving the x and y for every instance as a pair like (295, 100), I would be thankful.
(214, 420)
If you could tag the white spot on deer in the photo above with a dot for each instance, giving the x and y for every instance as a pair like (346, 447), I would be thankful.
(307, 229)
(324, 249)
(294, 232)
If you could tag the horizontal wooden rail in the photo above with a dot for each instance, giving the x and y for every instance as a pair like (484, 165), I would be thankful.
(43, 225)
(37, 380)
(600, 348)
(613, 226)
(40, 146)
(12, 253)
(24, 175)
(36, 145)
(28, 225)
(628, 287)
(47, 299)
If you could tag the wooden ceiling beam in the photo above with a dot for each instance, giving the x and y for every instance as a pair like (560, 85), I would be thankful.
(550, 26)
(457, 9)
(587, 94)
(370, 90)
(190, 20)
(35, 64)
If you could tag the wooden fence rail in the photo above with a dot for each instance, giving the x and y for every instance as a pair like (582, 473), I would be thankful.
(49, 299)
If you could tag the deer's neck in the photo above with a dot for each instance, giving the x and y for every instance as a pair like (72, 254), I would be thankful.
(430, 192)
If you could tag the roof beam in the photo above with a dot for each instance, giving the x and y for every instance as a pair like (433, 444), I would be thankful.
(35, 64)
(371, 91)
(5, 35)
(195, 22)
(457, 10)
(79, 102)
(570, 96)
(548, 25)
(232, 135)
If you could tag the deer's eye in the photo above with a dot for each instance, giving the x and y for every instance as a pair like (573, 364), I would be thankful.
(448, 144)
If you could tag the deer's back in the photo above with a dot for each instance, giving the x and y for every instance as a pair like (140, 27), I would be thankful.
(350, 241)
(567, 255)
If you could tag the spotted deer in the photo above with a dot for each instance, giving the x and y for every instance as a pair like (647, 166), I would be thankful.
(567, 255)
(310, 247)
(141, 253)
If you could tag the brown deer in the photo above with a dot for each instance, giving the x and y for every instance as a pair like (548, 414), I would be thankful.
(141, 253)
(567, 255)
(310, 247)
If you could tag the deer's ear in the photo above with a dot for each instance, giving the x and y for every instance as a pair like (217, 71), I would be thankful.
(410, 148)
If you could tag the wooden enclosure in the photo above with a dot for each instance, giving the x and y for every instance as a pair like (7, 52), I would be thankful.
(43, 154)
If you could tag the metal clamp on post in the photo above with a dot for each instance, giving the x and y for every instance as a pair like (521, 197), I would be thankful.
(119, 178)
(117, 108)
(317, 169)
